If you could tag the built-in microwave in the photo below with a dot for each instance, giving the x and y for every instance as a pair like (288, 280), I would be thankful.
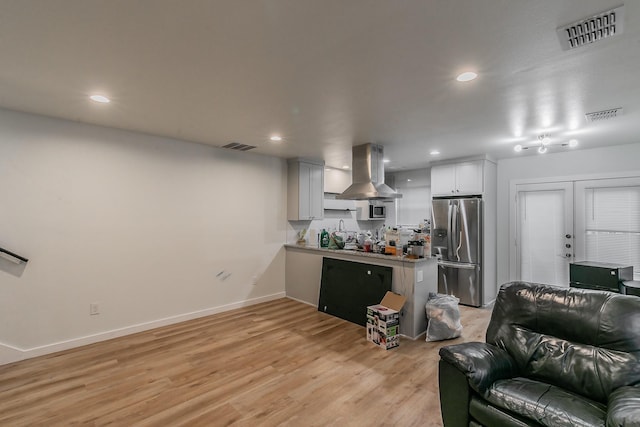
(377, 211)
(369, 210)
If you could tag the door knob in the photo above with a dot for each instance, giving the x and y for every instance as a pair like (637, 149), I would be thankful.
(568, 236)
(567, 255)
(568, 245)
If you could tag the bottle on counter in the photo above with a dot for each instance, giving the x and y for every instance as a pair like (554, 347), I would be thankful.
(324, 239)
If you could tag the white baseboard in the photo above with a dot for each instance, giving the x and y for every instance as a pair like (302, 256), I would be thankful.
(10, 354)
(302, 301)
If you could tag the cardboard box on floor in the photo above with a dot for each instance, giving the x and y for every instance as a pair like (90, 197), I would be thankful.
(383, 321)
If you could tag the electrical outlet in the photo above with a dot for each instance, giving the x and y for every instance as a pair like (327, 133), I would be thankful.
(94, 309)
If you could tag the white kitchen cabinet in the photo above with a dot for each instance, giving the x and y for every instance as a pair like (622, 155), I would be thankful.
(457, 179)
(305, 186)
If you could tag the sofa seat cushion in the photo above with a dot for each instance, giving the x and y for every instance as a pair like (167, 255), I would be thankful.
(490, 415)
(546, 404)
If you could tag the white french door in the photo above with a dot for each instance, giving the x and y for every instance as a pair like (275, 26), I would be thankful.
(542, 233)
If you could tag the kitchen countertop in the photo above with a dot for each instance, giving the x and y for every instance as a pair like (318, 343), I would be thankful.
(413, 278)
(359, 253)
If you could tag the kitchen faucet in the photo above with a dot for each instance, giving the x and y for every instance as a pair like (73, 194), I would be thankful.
(341, 225)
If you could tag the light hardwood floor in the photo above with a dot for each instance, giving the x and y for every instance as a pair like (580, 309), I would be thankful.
(276, 363)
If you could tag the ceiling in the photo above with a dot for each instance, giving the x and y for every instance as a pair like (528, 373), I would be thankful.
(326, 74)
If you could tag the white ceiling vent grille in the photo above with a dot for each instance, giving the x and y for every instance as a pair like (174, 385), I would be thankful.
(593, 29)
(603, 115)
(239, 147)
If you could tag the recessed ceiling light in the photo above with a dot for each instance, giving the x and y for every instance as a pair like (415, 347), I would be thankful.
(276, 138)
(100, 98)
(386, 160)
(542, 149)
(345, 167)
(467, 76)
(573, 143)
(409, 180)
(517, 148)
(434, 152)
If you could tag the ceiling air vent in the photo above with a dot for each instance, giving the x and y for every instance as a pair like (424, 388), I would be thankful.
(593, 29)
(603, 115)
(239, 147)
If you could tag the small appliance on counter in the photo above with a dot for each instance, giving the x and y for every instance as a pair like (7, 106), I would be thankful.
(392, 242)
(599, 275)
(416, 248)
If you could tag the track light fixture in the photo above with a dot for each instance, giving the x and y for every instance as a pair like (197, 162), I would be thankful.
(544, 143)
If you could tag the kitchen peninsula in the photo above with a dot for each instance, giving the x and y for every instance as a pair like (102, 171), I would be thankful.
(413, 278)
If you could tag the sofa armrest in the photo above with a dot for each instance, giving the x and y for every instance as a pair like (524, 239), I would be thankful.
(481, 363)
(455, 395)
(624, 407)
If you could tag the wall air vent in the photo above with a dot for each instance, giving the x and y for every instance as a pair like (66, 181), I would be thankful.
(593, 29)
(599, 116)
(238, 147)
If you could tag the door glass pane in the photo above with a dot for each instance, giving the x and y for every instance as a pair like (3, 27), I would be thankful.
(541, 230)
(612, 225)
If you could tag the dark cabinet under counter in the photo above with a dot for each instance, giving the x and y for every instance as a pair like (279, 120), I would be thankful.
(347, 288)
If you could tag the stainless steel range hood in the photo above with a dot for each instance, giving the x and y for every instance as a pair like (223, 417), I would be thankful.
(368, 175)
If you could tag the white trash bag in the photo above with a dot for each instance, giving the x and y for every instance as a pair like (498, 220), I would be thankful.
(443, 315)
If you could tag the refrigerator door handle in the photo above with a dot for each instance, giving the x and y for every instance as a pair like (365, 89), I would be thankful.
(456, 232)
(450, 230)
(459, 265)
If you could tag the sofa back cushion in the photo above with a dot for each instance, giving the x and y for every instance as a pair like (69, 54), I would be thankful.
(582, 340)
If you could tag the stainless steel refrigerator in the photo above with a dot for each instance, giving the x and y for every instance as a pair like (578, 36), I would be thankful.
(456, 239)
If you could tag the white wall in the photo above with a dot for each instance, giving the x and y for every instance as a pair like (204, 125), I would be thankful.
(330, 222)
(154, 230)
(415, 205)
(610, 161)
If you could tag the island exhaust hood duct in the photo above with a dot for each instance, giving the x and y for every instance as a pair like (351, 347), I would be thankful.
(368, 175)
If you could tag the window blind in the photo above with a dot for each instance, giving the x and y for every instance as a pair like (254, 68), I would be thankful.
(612, 225)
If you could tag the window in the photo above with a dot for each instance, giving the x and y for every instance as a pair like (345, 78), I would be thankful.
(608, 225)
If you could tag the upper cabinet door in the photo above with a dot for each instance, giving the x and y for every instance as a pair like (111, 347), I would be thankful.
(443, 180)
(469, 178)
(316, 192)
(305, 190)
(458, 179)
